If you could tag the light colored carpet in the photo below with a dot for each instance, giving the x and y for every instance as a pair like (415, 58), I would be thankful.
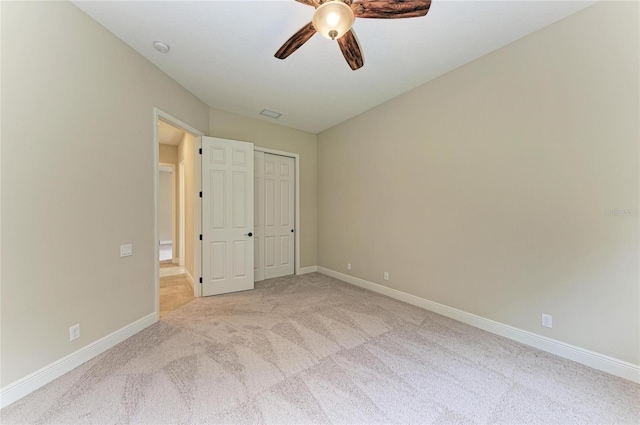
(311, 349)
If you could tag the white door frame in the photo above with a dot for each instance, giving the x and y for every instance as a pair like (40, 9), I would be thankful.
(157, 115)
(181, 210)
(172, 170)
(296, 159)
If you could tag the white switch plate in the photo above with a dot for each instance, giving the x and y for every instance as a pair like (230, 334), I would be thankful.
(126, 250)
(74, 332)
(386, 275)
(547, 321)
(348, 266)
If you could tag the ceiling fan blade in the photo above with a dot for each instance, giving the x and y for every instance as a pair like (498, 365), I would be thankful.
(390, 9)
(297, 40)
(351, 50)
(308, 2)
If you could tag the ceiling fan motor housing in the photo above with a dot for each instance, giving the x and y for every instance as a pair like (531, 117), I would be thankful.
(347, 2)
(333, 20)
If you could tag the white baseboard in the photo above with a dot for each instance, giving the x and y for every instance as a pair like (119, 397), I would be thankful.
(197, 289)
(166, 242)
(305, 270)
(20, 388)
(589, 358)
(189, 277)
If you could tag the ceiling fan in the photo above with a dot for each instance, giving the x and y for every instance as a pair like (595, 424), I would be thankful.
(333, 20)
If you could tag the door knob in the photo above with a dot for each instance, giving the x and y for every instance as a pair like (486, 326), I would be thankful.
(248, 234)
(291, 230)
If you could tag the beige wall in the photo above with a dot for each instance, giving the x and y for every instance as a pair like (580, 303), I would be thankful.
(165, 205)
(486, 189)
(168, 154)
(77, 181)
(267, 135)
(186, 153)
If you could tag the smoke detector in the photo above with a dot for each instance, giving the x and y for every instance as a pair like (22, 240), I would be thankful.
(161, 47)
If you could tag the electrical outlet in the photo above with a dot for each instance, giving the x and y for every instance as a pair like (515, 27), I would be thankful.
(547, 320)
(74, 332)
(348, 266)
(126, 250)
(386, 276)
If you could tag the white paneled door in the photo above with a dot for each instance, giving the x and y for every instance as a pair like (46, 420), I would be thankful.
(279, 215)
(258, 216)
(227, 216)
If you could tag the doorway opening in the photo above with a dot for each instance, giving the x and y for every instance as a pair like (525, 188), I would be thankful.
(203, 268)
(166, 210)
(175, 156)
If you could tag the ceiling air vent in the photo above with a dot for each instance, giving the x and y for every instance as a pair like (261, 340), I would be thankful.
(270, 114)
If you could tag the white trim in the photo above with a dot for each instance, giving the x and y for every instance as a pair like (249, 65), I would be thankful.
(20, 388)
(172, 168)
(590, 358)
(197, 216)
(305, 270)
(156, 185)
(189, 277)
(165, 168)
(197, 289)
(182, 228)
(157, 115)
(296, 158)
(297, 213)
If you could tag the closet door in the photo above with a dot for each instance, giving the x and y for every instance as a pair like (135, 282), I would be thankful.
(258, 223)
(279, 216)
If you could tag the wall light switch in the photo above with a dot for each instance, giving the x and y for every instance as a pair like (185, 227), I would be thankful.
(126, 250)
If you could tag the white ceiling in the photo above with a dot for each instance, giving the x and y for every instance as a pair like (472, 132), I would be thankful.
(168, 134)
(222, 51)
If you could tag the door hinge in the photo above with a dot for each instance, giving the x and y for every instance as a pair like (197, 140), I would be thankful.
(200, 236)
(200, 151)
(201, 194)
(200, 280)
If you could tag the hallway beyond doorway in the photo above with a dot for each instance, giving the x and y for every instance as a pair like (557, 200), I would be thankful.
(175, 290)
(166, 251)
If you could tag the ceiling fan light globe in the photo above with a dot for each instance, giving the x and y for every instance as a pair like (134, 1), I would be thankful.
(333, 19)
